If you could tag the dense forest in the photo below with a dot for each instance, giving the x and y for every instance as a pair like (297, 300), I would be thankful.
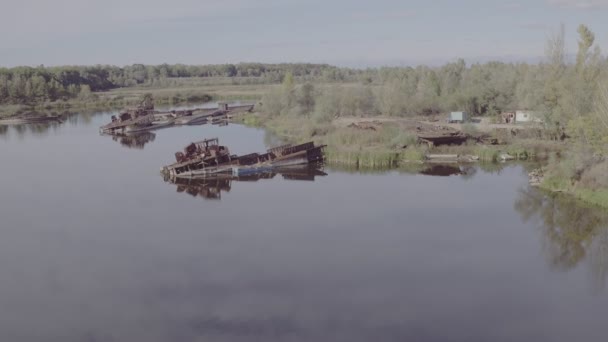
(28, 85)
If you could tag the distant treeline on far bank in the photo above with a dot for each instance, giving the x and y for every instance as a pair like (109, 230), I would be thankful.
(552, 86)
(34, 85)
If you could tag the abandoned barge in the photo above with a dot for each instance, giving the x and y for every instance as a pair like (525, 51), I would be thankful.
(145, 118)
(207, 158)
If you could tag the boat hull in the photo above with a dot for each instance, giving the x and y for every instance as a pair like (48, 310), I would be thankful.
(254, 163)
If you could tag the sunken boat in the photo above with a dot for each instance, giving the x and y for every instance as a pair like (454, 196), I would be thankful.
(144, 117)
(132, 120)
(207, 158)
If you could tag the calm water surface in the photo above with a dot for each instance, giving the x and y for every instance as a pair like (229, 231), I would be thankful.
(96, 247)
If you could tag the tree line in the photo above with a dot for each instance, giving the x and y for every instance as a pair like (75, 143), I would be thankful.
(31, 85)
(565, 93)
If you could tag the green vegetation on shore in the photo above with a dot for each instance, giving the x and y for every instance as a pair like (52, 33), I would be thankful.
(316, 101)
(571, 99)
(55, 86)
(581, 174)
(95, 102)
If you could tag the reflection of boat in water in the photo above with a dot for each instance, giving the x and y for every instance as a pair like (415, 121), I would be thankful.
(134, 140)
(212, 187)
(442, 170)
(207, 158)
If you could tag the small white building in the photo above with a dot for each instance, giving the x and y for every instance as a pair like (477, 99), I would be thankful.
(458, 117)
(523, 116)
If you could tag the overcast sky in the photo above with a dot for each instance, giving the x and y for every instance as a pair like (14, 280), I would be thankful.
(343, 32)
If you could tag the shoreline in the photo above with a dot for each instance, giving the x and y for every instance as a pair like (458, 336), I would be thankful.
(17, 111)
(597, 198)
(390, 145)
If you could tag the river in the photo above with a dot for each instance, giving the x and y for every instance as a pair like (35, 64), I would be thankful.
(95, 246)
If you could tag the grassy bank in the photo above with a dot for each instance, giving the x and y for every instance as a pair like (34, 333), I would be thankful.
(579, 175)
(592, 196)
(184, 91)
(519, 149)
(388, 144)
(103, 102)
(384, 147)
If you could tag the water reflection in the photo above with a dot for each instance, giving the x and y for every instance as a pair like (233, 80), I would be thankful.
(442, 170)
(212, 188)
(34, 129)
(136, 140)
(572, 233)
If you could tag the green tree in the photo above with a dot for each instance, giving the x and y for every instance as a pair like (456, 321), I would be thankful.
(306, 98)
(85, 93)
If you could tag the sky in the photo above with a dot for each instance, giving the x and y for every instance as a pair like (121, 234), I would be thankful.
(355, 33)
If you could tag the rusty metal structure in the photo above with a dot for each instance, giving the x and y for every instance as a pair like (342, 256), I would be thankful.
(452, 138)
(145, 118)
(207, 158)
(507, 117)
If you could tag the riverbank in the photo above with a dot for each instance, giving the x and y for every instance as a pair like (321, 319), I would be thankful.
(590, 196)
(547, 178)
(388, 142)
(393, 143)
(98, 103)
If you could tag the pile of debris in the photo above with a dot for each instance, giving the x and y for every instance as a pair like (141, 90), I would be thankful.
(366, 125)
(536, 177)
(440, 135)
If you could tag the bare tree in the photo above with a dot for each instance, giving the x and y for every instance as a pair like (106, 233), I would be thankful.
(555, 49)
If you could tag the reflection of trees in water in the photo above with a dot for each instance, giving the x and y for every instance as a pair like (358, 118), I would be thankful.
(598, 258)
(37, 129)
(271, 139)
(492, 168)
(138, 140)
(572, 232)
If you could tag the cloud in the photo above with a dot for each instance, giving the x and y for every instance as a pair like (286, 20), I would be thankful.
(580, 4)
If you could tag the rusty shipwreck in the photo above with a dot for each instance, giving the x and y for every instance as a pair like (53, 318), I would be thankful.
(144, 118)
(207, 158)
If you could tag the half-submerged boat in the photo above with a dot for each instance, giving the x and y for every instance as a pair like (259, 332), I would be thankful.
(207, 158)
(144, 118)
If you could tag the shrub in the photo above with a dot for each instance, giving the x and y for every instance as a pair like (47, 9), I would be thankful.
(470, 129)
(596, 177)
